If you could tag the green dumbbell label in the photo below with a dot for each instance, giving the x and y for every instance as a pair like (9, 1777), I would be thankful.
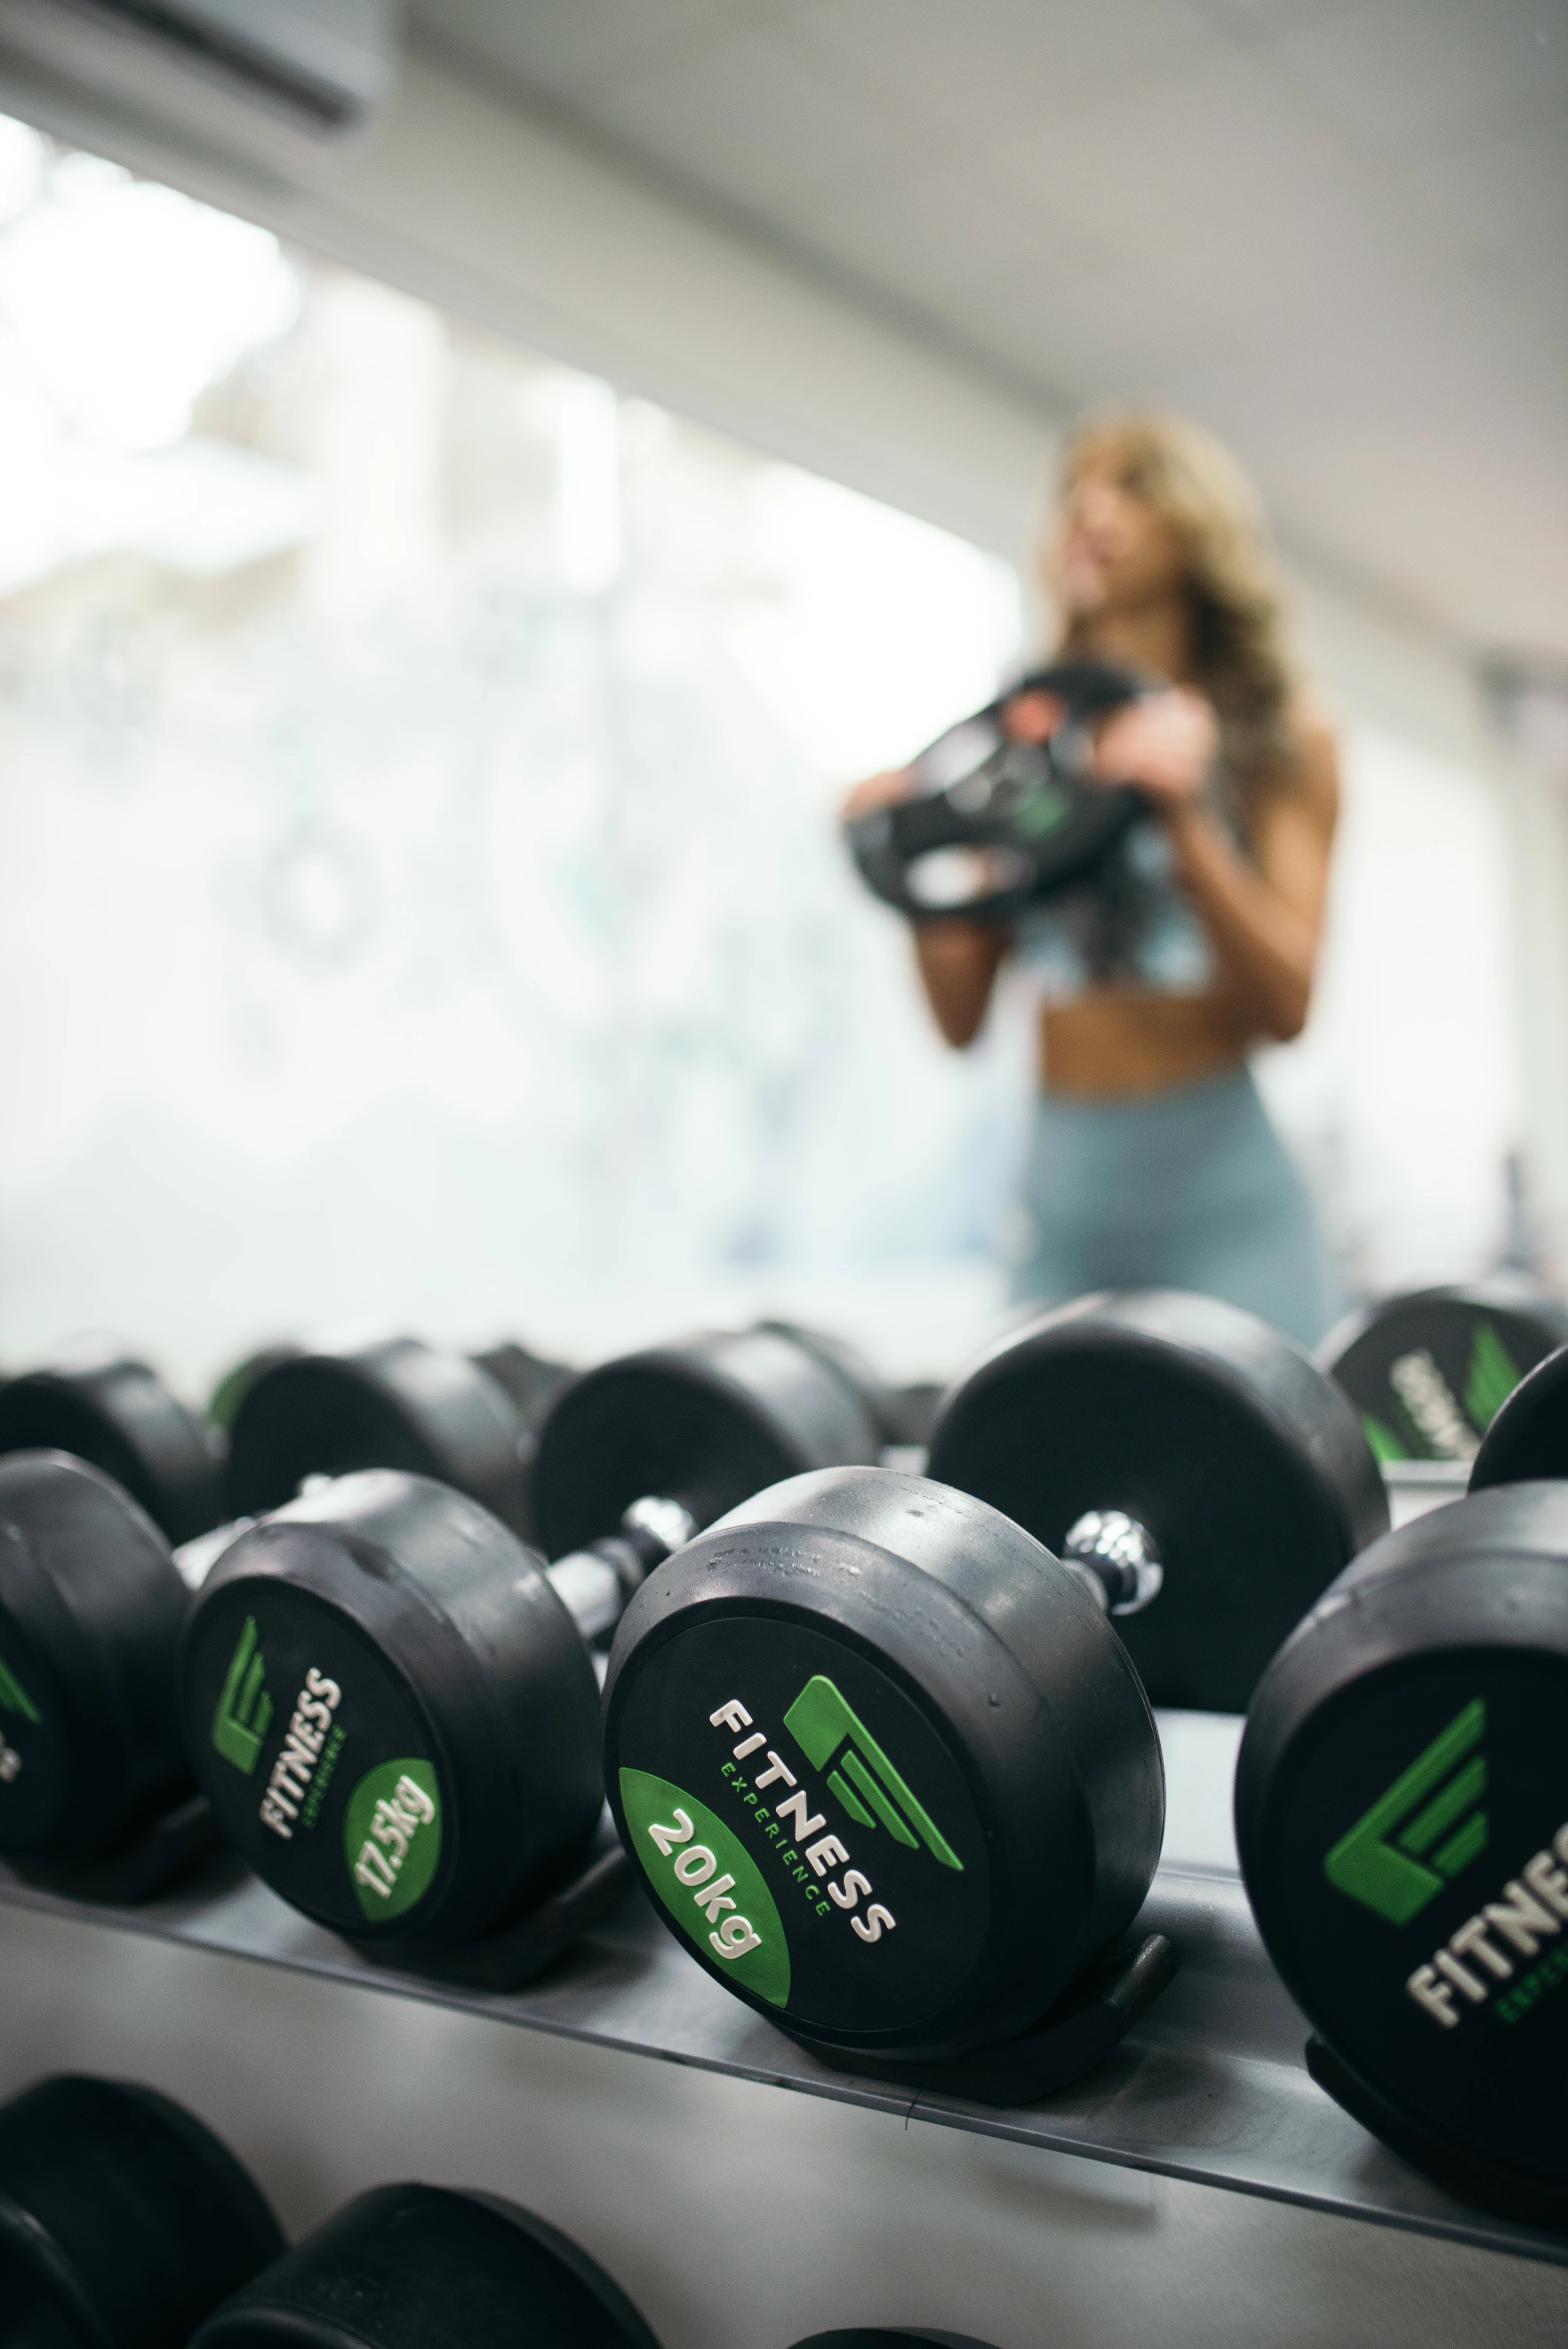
(712, 1886)
(15, 1701)
(1420, 1859)
(803, 1825)
(322, 1768)
(392, 1836)
(1429, 1379)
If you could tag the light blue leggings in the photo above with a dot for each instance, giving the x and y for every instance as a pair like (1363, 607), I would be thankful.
(1187, 1189)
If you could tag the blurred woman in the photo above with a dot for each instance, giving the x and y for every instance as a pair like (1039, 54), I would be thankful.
(1153, 1160)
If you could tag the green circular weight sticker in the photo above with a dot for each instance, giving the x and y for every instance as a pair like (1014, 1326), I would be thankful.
(1417, 1862)
(803, 1825)
(314, 1756)
(35, 1754)
(392, 1836)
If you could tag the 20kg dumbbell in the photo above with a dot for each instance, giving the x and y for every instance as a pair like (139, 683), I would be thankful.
(118, 1414)
(388, 1700)
(1402, 1821)
(1190, 1447)
(408, 2266)
(886, 1768)
(123, 2220)
(1428, 1372)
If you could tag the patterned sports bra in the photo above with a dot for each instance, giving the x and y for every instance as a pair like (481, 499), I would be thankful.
(1133, 927)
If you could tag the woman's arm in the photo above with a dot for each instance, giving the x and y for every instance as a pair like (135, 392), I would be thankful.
(1265, 921)
(957, 960)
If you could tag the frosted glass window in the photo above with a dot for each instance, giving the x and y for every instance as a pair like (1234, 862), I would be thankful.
(419, 891)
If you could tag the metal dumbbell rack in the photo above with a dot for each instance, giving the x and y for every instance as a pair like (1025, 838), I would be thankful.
(1210, 2086)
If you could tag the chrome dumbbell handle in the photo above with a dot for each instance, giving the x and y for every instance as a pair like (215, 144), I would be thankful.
(1115, 1559)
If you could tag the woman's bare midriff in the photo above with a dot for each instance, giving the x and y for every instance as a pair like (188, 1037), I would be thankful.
(1115, 1042)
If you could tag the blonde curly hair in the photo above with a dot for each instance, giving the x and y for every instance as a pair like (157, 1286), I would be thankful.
(1240, 656)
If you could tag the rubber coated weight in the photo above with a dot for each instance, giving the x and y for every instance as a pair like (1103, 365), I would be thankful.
(235, 1385)
(530, 1380)
(123, 2220)
(1402, 1820)
(392, 1712)
(869, 2336)
(998, 825)
(900, 1415)
(1242, 1462)
(889, 1775)
(1429, 1371)
(1528, 1439)
(120, 1415)
(91, 1605)
(408, 2266)
(705, 1422)
(397, 1404)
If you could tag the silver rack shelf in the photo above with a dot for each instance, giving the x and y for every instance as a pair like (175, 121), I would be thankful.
(1211, 2086)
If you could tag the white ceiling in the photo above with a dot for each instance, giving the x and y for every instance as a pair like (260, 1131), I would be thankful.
(1334, 230)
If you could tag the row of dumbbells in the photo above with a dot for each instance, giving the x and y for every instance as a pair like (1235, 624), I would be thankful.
(125, 2223)
(881, 1744)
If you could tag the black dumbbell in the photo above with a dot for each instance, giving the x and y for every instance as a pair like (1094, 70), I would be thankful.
(1528, 1436)
(1429, 1371)
(123, 2220)
(869, 2336)
(1402, 1821)
(888, 1773)
(405, 2266)
(1190, 1447)
(236, 1383)
(903, 1416)
(394, 1403)
(118, 1414)
(91, 1604)
(387, 1698)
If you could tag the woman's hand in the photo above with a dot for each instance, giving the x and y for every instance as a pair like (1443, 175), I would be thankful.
(1033, 717)
(877, 791)
(1165, 744)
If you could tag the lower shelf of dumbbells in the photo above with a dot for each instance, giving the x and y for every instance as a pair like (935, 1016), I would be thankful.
(1208, 2084)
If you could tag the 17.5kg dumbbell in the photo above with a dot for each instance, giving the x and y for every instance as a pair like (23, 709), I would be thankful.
(409, 2267)
(1186, 1445)
(123, 2220)
(388, 1700)
(1402, 1821)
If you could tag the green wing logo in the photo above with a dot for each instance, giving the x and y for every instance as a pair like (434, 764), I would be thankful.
(1491, 1378)
(864, 1780)
(244, 1709)
(13, 1697)
(1387, 1861)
